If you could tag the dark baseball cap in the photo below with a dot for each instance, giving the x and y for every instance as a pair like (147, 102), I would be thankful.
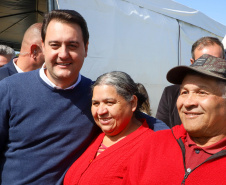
(207, 65)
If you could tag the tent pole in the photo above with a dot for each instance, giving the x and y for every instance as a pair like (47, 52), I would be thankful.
(50, 5)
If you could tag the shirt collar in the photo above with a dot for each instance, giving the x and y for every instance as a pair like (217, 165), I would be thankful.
(51, 84)
(212, 149)
(17, 68)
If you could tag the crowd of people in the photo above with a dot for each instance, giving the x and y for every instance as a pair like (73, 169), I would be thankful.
(60, 127)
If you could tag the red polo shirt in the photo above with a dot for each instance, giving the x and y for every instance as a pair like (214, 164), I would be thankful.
(196, 155)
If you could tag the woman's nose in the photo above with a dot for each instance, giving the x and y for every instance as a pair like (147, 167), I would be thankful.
(102, 109)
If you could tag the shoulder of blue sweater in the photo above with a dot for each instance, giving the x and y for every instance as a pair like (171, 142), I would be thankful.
(153, 123)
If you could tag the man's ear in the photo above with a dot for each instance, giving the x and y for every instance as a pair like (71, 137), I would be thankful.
(43, 46)
(192, 60)
(34, 50)
(86, 48)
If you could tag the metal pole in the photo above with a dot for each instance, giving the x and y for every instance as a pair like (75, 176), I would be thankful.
(50, 5)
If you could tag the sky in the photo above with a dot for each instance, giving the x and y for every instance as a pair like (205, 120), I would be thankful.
(215, 9)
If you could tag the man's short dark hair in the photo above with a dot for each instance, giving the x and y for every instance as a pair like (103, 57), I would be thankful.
(207, 41)
(66, 16)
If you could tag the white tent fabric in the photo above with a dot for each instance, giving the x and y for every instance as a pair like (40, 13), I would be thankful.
(178, 11)
(144, 38)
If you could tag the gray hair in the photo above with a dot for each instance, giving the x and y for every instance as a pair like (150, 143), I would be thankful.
(124, 85)
(7, 51)
(222, 86)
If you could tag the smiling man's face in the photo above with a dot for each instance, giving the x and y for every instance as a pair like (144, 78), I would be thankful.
(64, 52)
(201, 107)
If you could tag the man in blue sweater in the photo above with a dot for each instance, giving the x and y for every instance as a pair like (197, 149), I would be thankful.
(45, 118)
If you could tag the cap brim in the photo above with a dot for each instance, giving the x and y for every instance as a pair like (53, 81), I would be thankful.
(176, 75)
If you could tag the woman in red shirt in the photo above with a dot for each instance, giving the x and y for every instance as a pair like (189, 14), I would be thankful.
(115, 107)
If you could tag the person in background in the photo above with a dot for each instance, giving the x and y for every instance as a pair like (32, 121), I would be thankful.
(116, 103)
(194, 152)
(6, 54)
(30, 57)
(167, 110)
(45, 117)
(146, 108)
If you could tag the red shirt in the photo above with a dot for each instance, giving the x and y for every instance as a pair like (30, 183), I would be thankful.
(195, 155)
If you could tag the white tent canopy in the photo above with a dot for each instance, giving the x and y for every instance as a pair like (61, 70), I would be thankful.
(182, 13)
(144, 38)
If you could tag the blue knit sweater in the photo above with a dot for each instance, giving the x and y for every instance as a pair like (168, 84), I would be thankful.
(42, 130)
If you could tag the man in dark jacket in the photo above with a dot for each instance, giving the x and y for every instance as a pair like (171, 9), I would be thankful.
(30, 57)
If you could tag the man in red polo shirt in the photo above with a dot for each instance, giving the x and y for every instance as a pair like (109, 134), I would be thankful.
(194, 152)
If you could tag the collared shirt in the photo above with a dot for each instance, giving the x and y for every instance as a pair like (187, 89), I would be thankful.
(196, 155)
(51, 84)
(17, 68)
